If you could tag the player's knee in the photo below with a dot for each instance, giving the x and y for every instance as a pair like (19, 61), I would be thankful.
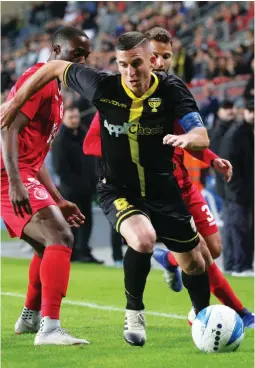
(144, 242)
(195, 266)
(62, 236)
(67, 237)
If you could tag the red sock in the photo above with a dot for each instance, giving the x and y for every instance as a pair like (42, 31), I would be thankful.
(33, 299)
(171, 259)
(220, 287)
(55, 270)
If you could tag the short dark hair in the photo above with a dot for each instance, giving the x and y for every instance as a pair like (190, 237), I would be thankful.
(159, 34)
(130, 40)
(67, 33)
(71, 108)
(227, 104)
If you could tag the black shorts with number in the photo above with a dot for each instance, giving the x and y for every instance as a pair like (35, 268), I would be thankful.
(171, 220)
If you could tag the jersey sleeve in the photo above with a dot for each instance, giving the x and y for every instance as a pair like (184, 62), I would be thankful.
(92, 141)
(183, 99)
(85, 81)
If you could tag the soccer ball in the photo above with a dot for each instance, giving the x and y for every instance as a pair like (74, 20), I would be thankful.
(217, 329)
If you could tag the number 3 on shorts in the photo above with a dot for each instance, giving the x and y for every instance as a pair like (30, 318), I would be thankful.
(206, 209)
(121, 204)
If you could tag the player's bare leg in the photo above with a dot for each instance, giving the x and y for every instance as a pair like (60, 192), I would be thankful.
(48, 227)
(140, 237)
(219, 285)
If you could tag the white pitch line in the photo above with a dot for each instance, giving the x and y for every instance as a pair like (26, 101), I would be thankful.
(102, 307)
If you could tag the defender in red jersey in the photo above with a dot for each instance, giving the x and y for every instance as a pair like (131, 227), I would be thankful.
(160, 41)
(31, 206)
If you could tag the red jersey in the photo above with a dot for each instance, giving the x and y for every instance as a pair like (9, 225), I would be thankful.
(92, 146)
(45, 112)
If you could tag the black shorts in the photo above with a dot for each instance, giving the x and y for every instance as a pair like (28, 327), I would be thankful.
(171, 220)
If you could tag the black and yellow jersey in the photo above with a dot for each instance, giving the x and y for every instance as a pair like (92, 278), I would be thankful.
(132, 128)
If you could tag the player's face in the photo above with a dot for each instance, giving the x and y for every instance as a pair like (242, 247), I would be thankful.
(135, 67)
(163, 53)
(77, 50)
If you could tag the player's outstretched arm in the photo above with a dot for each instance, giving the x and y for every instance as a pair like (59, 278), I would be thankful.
(221, 165)
(17, 191)
(50, 71)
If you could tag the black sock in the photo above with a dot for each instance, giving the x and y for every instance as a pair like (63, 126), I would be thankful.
(136, 269)
(199, 290)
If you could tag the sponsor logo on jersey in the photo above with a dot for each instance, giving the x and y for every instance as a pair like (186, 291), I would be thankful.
(34, 181)
(154, 103)
(113, 102)
(132, 128)
(40, 194)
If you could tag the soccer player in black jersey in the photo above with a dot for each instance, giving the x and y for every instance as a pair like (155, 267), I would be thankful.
(138, 192)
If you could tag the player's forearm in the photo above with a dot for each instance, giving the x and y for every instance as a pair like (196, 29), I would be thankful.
(45, 178)
(10, 155)
(206, 155)
(50, 71)
(198, 139)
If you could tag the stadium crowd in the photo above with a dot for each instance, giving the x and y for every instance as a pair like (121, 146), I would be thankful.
(212, 46)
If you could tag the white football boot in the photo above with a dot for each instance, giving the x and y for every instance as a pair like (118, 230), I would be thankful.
(56, 335)
(134, 328)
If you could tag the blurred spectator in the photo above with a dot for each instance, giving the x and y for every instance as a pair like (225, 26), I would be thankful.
(222, 69)
(226, 118)
(77, 179)
(45, 47)
(182, 63)
(209, 107)
(6, 80)
(238, 231)
(113, 67)
(249, 89)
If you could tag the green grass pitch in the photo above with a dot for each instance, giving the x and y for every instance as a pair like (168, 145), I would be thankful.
(169, 342)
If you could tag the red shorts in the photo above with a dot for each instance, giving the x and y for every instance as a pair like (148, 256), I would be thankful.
(198, 208)
(38, 196)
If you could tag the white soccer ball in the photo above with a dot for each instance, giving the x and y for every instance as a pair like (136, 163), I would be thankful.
(217, 329)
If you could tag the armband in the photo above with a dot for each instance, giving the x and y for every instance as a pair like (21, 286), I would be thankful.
(191, 121)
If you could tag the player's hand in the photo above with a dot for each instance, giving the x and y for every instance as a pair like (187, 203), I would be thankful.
(71, 213)
(181, 141)
(223, 167)
(19, 198)
(8, 113)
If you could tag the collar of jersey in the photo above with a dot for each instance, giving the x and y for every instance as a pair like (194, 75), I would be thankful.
(147, 94)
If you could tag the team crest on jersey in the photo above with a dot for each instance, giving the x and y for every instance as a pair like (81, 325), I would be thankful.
(40, 194)
(193, 225)
(154, 103)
